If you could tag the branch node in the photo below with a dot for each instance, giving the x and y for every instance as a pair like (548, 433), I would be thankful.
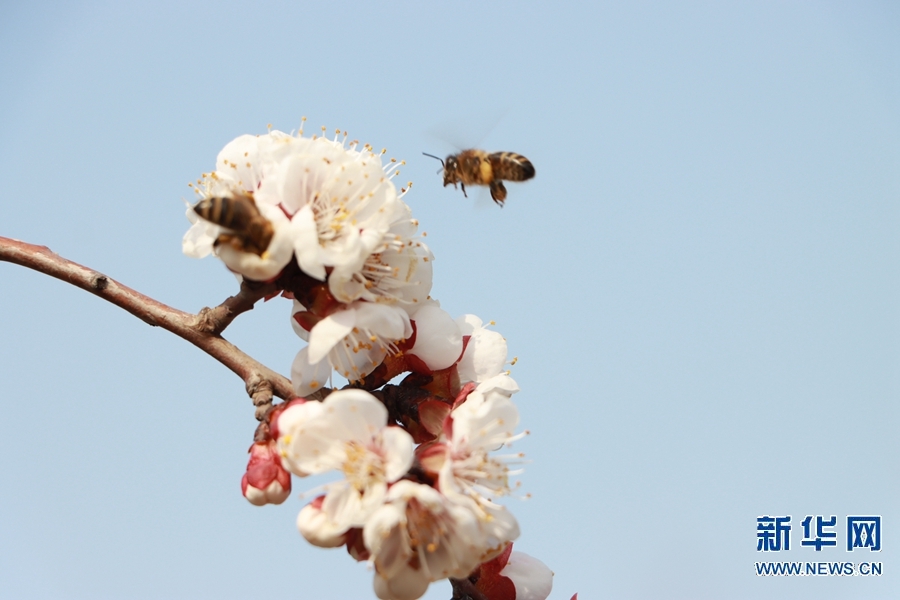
(261, 393)
(209, 320)
(99, 282)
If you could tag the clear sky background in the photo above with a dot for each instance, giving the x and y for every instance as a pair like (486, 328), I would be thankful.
(701, 283)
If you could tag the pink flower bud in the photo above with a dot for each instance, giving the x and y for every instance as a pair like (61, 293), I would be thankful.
(514, 576)
(266, 481)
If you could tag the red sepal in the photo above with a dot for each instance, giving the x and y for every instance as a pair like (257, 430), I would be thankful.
(416, 365)
(491, 583)
(306, 319)
(444, 383)
(263, 468)
(464, 393)
(432, 414)
(497, 587)
(404, 345)
(355, 546)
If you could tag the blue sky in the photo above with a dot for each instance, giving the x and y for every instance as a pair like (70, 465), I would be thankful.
(701, 283)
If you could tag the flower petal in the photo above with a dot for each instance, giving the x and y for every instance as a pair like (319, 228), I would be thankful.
(485, 354)
(318, 530)
(306, 243)
(532, 578)
(308, 377)
(438, 340)
(399, 449)
(328, 332)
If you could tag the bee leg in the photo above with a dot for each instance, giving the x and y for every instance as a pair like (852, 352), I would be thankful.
(498, 192)
(463, 186)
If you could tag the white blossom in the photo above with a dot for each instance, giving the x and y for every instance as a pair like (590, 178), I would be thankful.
(419, 536)
(353, 341)
(462, 460)
(348, 433)
(238, 172)
(483, 423)
(486, 351)
(347, 218)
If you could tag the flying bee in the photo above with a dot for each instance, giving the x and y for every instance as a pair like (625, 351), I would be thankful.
(477, 167)
(250, 231)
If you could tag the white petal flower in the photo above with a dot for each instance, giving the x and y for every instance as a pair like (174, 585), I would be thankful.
(347, 222)
(347, 217)
(348, 433)
(353, 341)
(484, 422)
(419, 536)
(486, 351)
(238, 172)
(466, 471)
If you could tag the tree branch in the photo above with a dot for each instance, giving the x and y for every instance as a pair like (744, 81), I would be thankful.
(215, 320)
(203, 330)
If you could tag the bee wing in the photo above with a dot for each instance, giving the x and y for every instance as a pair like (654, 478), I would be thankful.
(467, 130)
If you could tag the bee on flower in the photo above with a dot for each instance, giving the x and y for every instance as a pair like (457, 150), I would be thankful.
(333, 209)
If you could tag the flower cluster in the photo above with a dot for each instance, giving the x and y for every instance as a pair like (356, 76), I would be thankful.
(333, 212)
(419, 474)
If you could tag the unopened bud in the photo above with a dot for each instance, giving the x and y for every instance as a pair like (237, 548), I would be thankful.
(266, 481)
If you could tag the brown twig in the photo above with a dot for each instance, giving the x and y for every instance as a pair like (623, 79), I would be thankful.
(215, 320)
(202, 330)
(463, 589)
